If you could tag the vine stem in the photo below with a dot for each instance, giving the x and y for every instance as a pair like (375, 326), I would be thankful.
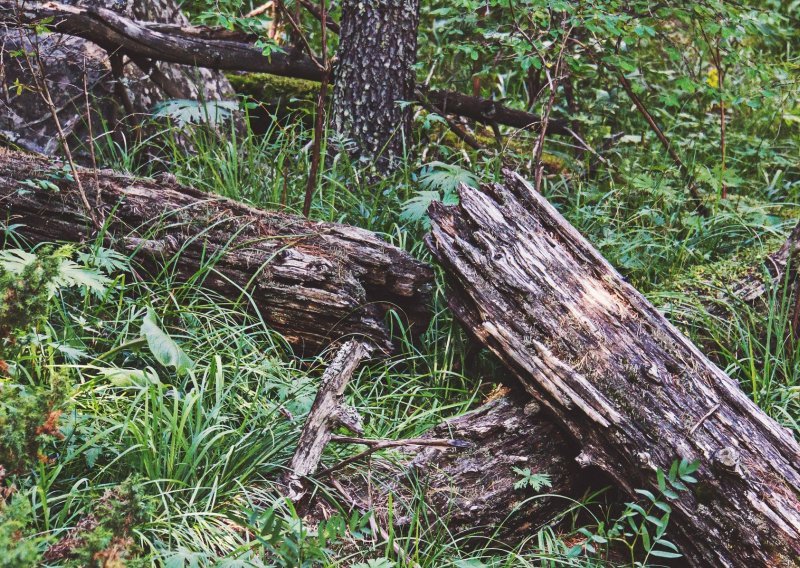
(319, 123)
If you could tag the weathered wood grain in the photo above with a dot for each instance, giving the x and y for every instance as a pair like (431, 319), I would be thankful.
(626, 384)
(313, 282)
(323, 417)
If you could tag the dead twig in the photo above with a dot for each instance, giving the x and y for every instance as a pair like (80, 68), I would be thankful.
(319, 122)
(326, 413)
(320, 15)
(377, 445)
(40, 81)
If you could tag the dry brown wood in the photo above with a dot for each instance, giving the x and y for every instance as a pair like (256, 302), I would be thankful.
(326, 414)
(627, 385)
(222, 50)
(313, 282)
(473, 489)
(175, 44)
(467, 476)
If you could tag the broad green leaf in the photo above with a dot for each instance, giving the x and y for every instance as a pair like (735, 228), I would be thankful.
(162, 346)
(131, 377)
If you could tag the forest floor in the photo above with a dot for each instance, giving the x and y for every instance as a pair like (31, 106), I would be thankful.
(178, 409)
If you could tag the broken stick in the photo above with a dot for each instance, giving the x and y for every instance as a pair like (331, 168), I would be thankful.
(327, 413)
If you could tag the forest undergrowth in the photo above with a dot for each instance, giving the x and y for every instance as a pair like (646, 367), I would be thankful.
(150, 420)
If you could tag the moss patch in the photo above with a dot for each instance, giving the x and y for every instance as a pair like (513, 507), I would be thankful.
(268, 88)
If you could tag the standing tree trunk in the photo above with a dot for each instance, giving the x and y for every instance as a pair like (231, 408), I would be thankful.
(626, 384)
(377, 51)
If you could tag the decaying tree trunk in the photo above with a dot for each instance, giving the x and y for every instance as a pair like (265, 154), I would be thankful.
(627, 385)
(374, 73)
(469, 484)
(313, 282)
(73, 71)
(473, 489)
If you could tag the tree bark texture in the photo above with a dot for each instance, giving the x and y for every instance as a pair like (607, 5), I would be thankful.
(324, 416)
(313, 282)
(628, 386)
(471, 487)
(376, 54)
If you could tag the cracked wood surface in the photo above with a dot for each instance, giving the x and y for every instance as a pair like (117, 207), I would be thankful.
(323, 416)
(313, 282)
(627, 385)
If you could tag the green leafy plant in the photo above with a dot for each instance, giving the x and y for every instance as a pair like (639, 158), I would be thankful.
(186, 111)
(164, 348)
(438, 182)
(536, 481)
(641, 528)
(19, 548)
(28, 281)
(293, 544)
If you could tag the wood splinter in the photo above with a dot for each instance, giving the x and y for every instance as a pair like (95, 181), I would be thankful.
(326, 413)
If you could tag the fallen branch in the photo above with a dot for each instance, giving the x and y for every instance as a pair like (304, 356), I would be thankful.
(90, 86)
(222, 50)
(487, 111)
(378, 445)
(469, 474)
(326, 413)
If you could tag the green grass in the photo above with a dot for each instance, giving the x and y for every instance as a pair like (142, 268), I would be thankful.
(206, 447)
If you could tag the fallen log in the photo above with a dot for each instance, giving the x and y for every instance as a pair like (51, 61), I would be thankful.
(469, 466)
(220, 50)
(471, 484)
(476, 490)
(631, 390)
(313, 282)
(473, 489)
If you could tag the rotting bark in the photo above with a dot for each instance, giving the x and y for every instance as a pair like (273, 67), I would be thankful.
(374, 74)
(313, 282)
(473, 489)
(220, 50)
(117, 92)
(469, 486)
(613, 372)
